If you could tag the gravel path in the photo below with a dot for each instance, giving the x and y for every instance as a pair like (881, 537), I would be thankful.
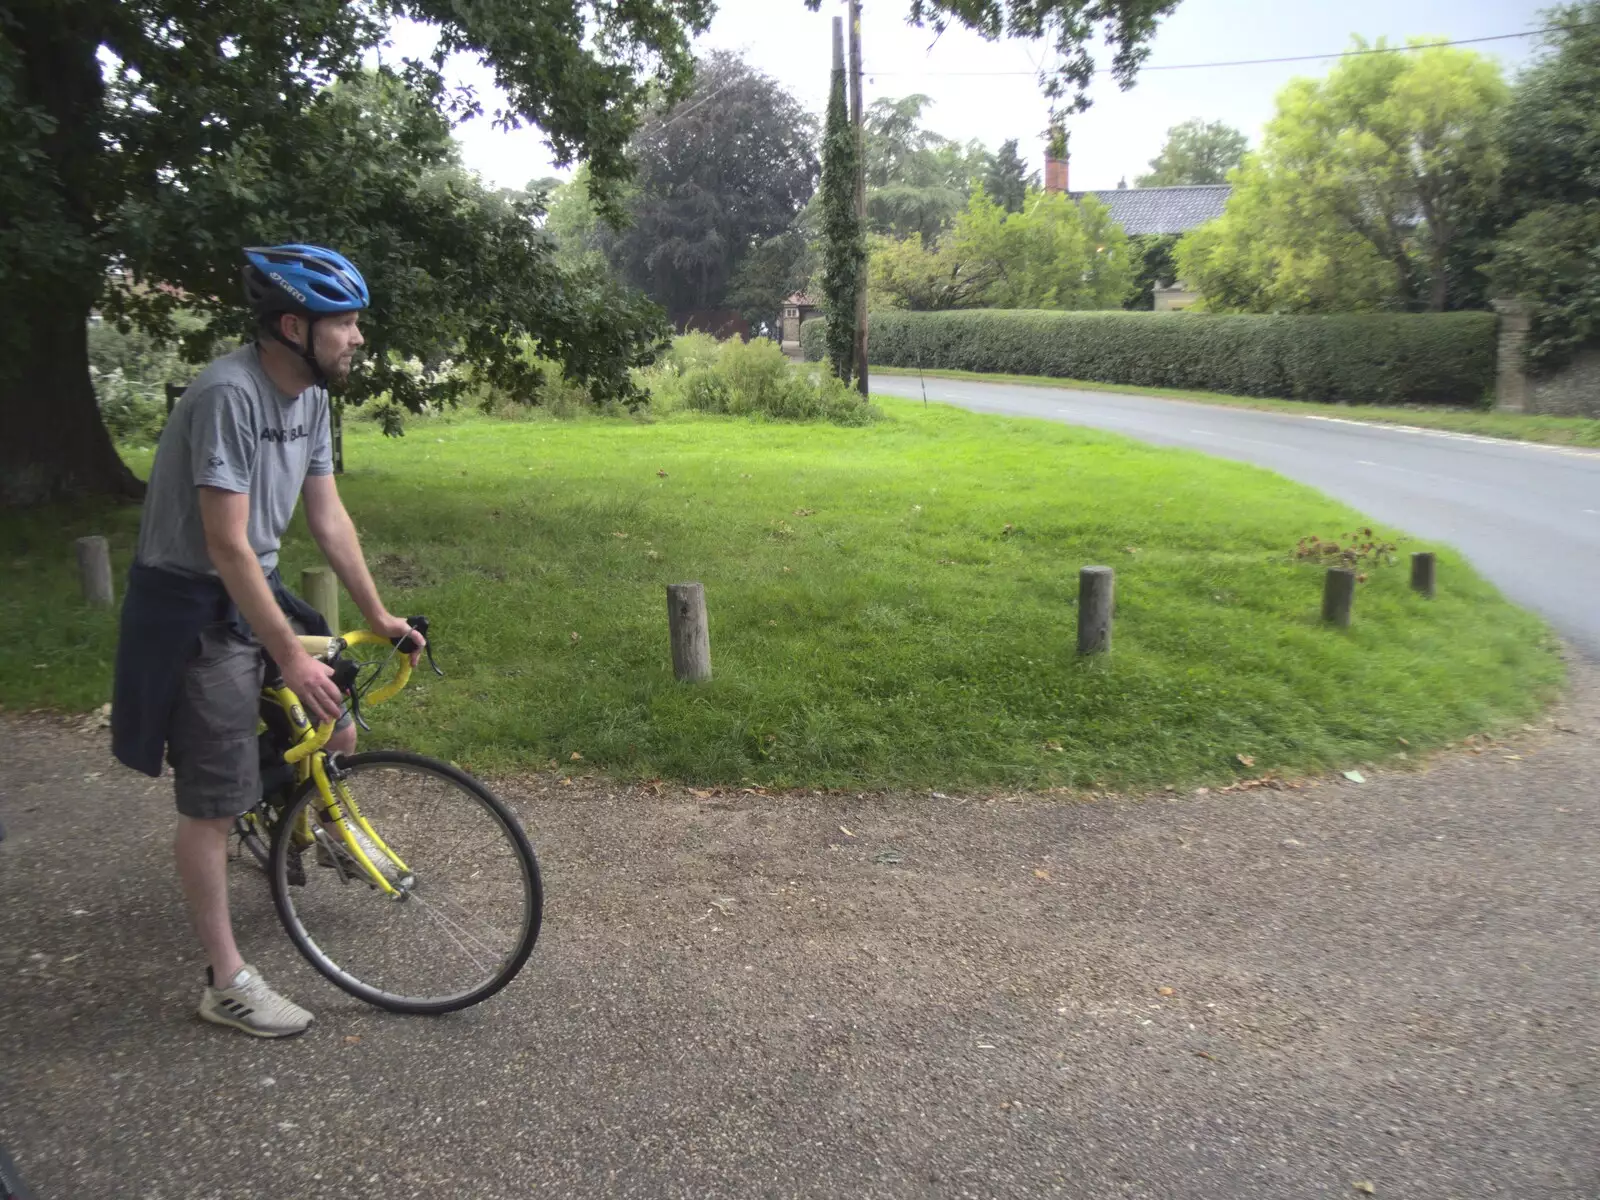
(1390, 984)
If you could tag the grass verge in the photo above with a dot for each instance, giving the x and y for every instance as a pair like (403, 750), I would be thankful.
(1519, 427)
(891, 606)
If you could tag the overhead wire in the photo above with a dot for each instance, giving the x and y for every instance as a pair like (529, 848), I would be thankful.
(1294, 58)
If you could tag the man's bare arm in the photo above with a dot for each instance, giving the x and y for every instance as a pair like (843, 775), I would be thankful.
(335, 533)
(225, 516)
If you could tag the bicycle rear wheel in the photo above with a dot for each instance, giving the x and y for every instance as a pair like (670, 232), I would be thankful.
(469, 901)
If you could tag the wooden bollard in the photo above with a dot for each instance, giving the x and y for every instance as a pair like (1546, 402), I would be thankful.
(1096, 594)
(1338, 595)
(94, 569)
(1422, 573)
(691, 638)
(320, 587)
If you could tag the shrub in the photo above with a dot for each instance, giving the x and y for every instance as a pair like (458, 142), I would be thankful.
(814, 339)
(1363, 358)
(748, 379)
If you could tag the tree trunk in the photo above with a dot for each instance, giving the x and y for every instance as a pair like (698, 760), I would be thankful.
(56, 445)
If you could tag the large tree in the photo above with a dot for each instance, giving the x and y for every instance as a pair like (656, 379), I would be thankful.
(1365, 188)
(717, 175)
(917, 180)
(117, 115)
(1195, 152)
(1549, 252)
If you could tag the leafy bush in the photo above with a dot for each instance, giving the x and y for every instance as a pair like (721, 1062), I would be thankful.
(814, 339)
(749, 378)
(130, 371)
(1361, 358)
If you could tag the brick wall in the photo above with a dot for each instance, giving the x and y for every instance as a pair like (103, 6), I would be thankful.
(1573, 391)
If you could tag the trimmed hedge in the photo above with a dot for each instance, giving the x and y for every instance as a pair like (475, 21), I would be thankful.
(1357, 358)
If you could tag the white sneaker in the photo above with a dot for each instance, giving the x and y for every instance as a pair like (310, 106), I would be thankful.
(247, 1003)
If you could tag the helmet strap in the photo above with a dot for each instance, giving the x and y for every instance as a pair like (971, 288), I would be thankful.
(308, 351)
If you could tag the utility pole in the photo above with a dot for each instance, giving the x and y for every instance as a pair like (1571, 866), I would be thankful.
(861, 193)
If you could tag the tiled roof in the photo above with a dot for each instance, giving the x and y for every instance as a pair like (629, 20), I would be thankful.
(1162, 209)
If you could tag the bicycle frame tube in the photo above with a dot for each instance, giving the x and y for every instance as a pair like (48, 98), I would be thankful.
(310, 762)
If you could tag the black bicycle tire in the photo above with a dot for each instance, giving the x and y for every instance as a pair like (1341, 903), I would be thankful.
(530, 861)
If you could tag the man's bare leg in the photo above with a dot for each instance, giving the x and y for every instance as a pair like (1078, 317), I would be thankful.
(202, 852)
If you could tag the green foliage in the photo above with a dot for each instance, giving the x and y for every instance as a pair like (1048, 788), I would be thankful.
(814, 339)
(1549, 256)
(843, 247)
(1067, 27)
(1364, 187)
(1357, 359)
(917, 181)
(1056, 253)
(130, 371)
(718, 174)
(1195, 152)
(1006, 178)
(753, 378)
(1155, 265)
(573, 223)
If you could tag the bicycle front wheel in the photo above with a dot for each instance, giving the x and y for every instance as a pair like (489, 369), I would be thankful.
(466, 900)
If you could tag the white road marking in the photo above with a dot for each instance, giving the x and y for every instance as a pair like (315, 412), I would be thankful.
(1365, 463)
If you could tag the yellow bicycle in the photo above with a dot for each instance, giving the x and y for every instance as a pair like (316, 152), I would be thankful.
(401, 878)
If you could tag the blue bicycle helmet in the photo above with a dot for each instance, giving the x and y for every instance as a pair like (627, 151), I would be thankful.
(303, 279)
(310, 281)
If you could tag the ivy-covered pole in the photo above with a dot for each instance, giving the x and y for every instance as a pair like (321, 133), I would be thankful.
(843, 256)
(861, 195)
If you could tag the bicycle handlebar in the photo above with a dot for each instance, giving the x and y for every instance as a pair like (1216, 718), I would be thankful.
(331, 649)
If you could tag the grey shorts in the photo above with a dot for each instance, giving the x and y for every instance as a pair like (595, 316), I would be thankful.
(211, 743)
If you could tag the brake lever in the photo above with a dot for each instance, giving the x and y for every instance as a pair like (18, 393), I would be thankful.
(420, 624)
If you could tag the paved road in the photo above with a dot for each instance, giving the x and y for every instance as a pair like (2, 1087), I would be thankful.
(1527, 516)
(1389, 984)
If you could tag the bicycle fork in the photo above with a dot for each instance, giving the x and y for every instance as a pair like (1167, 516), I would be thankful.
(340, 810)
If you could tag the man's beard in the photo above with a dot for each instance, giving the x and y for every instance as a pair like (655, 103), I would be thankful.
(339, 371)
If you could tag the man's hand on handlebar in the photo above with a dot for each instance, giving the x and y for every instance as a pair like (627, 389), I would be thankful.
(398, 627)
(311, 680)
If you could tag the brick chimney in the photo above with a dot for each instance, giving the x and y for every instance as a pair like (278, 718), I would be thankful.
(1055, 161)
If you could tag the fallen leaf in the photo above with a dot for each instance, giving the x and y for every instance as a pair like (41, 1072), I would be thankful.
(888, 857)
(1365, 1188)
(1202, 791)
(1165, 991)
(771, 622)
(619, 534)
(1055, 746)
(804, 512)
(574, 637)
(846, 832)
(352, 1039)
(663, 474)
(698, 792)
(1355, 776)
(1402, 741)
(1040, 873)
(1130, 549)
(652, 554)
(567, 782)
(1246, 759)
(576, 757)
(1006, 532)
(1512, 757)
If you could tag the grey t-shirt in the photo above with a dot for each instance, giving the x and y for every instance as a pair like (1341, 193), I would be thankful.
(233, 429)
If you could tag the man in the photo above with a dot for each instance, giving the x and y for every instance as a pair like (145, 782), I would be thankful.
(249, 436)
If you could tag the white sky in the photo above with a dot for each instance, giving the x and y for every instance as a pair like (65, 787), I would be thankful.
(1115, 138)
